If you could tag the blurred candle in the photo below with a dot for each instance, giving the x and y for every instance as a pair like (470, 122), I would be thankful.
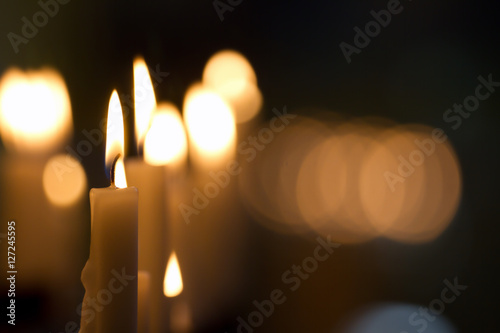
(110, 275)
(230, 75)
(162, 143)
(211, 127)
(210, 211)
(180, 316)
(35, 124)
(143, 302)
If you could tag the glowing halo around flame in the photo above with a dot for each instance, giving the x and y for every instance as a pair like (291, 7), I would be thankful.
(35, 110)
(210, 124)
(166, 141)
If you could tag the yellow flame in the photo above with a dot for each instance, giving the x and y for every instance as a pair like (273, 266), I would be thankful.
(115, 133)
(172, 284)
(209, 121)
(120, 178)
(144, 100)
(35, 110)
(166, 141)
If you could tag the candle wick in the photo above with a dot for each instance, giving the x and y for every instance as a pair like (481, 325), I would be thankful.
(112, 171)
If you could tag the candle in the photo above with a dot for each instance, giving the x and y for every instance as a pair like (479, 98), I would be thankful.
(143, 302)
(150, 180)
(35, 123)
(210, 211)
(110, 275)
(180, 315)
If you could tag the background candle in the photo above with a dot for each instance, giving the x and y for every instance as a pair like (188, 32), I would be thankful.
(35, 124)
(180, 315)
(110, 275)
(150, 180)
(211, 211)
(143, 301)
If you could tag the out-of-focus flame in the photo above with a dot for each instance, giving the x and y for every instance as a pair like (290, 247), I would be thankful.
(230, 74)
(354, 180)
(166, 141)
(64, 180)
(144, 100)
(172, 284)
(115, 136)
(210, 124)
(35, 110)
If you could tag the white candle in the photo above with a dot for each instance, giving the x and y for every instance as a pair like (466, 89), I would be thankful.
(150, 180)
(162, 138)
(110, 275)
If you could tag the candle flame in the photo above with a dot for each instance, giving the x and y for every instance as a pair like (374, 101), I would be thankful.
(35, 110)
(172, 284)
(209, 121)
(115, 133)
(120, 179)
(166, 141)
(144, 100)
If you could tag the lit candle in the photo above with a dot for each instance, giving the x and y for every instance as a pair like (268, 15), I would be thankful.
(211, 208)
(150, 180)
(110, 275)
(180, 314)
(36, 123)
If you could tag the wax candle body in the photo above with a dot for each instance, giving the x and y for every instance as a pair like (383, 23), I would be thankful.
(152, 233)
(143, 302)
(48, 242)
(110, 275)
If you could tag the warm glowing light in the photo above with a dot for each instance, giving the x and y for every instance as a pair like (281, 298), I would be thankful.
(144, 100)
(432, 181)
(115, 133)
(166, 141)
(230, 74)
(209, 121)
(35, 110)
(64, 180)
(120, 178)
(228, 65)
(172, 284)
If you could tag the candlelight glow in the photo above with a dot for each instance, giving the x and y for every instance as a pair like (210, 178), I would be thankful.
(120, 178)
(115, 133)
(228, 65)
(172, 284)
(166, 141)
(64, 180)
(209, 121)
(144, 100)
(230, 75)
(35, 110)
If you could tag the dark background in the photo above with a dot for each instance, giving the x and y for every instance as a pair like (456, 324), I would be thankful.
(428, 58)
